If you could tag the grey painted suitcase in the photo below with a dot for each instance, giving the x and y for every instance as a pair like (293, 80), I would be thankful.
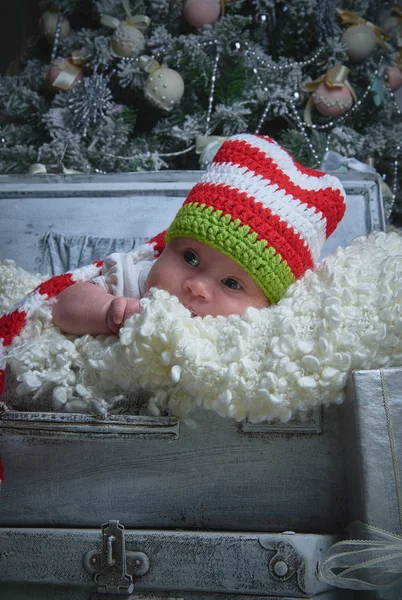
(144, 507)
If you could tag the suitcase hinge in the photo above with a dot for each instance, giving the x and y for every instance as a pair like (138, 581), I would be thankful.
(112, 561)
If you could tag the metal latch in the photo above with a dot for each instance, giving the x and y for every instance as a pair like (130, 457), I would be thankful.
(110, 566)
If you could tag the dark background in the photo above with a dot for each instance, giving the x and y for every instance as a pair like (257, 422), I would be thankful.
(19, 19)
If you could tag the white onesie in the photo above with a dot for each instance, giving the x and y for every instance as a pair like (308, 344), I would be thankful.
(122, 277)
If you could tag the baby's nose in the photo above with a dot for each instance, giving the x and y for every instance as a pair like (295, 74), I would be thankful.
(199, 286)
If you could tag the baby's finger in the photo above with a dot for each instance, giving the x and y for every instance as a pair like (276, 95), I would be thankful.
(117, 310)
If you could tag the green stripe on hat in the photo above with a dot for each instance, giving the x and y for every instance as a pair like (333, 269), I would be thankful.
(269, 271)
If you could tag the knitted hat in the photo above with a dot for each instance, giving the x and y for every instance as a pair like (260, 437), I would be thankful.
(258, 206)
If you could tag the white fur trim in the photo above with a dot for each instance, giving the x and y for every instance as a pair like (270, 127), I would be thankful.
(267, 364)
(86, 273)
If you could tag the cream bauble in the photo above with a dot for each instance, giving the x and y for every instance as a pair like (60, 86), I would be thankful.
(360, 41)
(332, 101)
(127, 40)
(48, 25)
(201, 12)
(394, 78)
(164, 88)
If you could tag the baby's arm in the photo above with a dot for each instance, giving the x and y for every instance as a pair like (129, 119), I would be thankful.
(86, 308)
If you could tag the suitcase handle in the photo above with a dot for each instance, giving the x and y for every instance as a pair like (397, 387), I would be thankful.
(82, 426)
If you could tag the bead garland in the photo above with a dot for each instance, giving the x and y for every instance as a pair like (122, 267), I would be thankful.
(392, 95)
(395, 173)
(211, 92)
(56, 37)
(263, 117)
(266, 109)
(288, 65)
(398, 148)
(274, 67)
(301, 124)
(328, 141)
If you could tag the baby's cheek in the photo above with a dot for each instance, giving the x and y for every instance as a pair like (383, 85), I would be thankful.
(152, 280)
(158, 278)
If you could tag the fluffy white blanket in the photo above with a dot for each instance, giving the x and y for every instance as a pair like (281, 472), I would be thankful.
(268, 364)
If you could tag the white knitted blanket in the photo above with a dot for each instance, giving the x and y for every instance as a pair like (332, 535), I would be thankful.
(268, 364)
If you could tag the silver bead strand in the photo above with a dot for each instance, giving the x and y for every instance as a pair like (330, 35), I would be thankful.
(56, 36)
(395, 172)
(398, 148)
(301, 125)
(392, 95)
(263, 117)
(288, 64)
(212, 92)
(266, 109)
(328, 141)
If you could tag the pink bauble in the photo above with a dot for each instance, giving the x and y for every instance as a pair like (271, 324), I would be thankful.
(332, 101)
(68, 81)
(394, 78)
(201, 12)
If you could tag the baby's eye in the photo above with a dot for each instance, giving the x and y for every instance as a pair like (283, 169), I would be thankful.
(231, 283)
(191, 258)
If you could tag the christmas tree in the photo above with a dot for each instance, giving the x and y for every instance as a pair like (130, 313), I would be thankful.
(119, 85)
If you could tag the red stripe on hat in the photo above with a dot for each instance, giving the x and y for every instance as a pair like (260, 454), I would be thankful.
(159, 242)
(260, 219)
(327, 200)
(11, 325)
(52, 287)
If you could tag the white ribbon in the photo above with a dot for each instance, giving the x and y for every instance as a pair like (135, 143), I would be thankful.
(141, 22)
(371, 560)
(148, 64)
(39, 168)
(332, 161)
(203, 141)
(207, 146)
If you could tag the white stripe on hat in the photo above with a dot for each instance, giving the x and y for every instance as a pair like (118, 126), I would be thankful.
(309, 223)
(286, 163)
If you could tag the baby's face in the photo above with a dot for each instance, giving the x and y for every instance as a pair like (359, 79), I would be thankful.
(206, 281)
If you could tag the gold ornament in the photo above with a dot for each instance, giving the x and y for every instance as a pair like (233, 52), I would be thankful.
(335, 78)
(128, 39)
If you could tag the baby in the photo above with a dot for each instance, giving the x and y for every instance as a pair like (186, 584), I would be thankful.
(254, 224)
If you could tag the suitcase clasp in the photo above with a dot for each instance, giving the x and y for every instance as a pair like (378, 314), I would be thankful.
(110, 566)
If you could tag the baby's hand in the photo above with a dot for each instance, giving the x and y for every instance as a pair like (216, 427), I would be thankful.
(119, 310)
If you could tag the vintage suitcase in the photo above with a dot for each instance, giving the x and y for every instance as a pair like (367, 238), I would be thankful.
(373, 450)
(204, 509)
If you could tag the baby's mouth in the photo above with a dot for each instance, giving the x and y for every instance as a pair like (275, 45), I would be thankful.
(193, 314)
